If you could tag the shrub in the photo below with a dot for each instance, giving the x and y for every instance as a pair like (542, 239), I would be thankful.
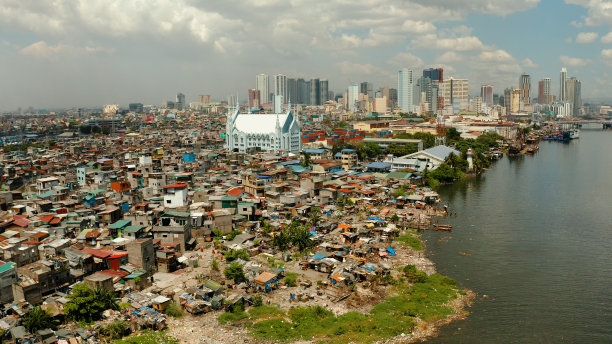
(174, 310)
(414, 275)
(115, 330)
(291, 279)
(237, 254)
(257, 300)
(37, 319)
(87, 305)
(235, 273)
(214, 264)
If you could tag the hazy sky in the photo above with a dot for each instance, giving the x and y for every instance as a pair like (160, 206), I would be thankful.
(66, 53)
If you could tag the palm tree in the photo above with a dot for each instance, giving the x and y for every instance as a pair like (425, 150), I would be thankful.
(37, 319)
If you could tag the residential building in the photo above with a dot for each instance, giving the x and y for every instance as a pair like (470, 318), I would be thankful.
(486, 93)
(254, 98)
(262, 83)
(180, 101)
(574, 95)
(8, 275)
(352, 97)
(544, 94)
(315, 92)
(175, 195)
(324, 91)
(525, 87)
(280, 86)
(563, 85)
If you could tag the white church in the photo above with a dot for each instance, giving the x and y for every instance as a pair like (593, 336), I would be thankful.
(270, 132)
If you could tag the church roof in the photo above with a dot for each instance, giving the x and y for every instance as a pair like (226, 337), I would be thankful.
(259, 123)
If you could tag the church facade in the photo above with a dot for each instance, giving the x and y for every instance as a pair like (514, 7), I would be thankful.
(269, 132)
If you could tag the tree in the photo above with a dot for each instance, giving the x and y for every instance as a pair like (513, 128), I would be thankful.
(315, 216)
(37, 319)
(237, 254)
(235, 273)
(306, 160)
(452, 135)
(87, 304)
(214, 264)
(116, 329)
(395, 218)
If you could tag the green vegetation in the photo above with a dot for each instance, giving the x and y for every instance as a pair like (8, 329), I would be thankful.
(174, 310)
(290, 279)
(125, 305)
(410, 240)
(115, 330)
(257, 300)
(429, 140)
(214, 264)
(231, 235)
(424, 298)
(235, 273)
(86, 305)
(306, 160)
(237, 254)
(37, 319)
(149, 337)
(296, 235)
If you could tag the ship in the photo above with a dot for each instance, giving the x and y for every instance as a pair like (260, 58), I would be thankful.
(574, 134)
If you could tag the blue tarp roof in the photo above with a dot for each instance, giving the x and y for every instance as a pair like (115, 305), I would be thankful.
(376, 219)
(318, 256)
(379, 164)
(391, 251)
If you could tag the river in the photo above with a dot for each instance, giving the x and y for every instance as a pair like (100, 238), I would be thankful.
(533, 238)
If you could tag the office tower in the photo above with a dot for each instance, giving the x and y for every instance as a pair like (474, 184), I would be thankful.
(292, 91)
(573, 87)
(544, 95)
(476, 104)
(278, 103)
(352, 97)
(419, 88)
(180, 101)
(205, 99)
(262, 83)
(280, 86)
(393, 95)
(434, 74)
(563, 85)
(525, 87)
(367, 88)
(136, 107)
(324, 90)
(512, 100)
(455, 92)
(254, 97)
(303, 92)
(404, 89)
(315, 92)
(486, 93)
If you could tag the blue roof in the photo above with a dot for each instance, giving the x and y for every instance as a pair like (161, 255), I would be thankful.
(315, 151)
(348, 150)
(379, 164)
(441, 151)
(318, 256)
(338, 155)
(290, 162)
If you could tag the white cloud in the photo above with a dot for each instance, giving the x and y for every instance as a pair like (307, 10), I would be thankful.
(497, 7)
(586, 37)
(528, 63)
(574, 61)
(498, 55)
(606, 56)
(607, 38)
(449, 57)
(42, 49)
(599, 12)
(358, 69)
(466, 43)
(406, 60)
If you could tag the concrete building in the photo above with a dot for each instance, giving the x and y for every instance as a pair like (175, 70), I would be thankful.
(544, 94)
(8, 275)
(267, 132)
(512, 100)
(262, 84)
(563, 85)
(525, 87)
(254, 97)
(380, 105)
(280, 85)
(574, 95)
(404, 90)
(486, 93)
(180, 101)
(455, 93)
(315, 92)
(141, 253)
(175, 195)
(352, 97)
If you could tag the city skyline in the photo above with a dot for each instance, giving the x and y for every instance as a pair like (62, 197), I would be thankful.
(66, 56)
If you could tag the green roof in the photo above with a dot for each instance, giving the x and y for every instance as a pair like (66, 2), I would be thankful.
(7, 266)
(47, 194)
(249, 204)
(95, 192)
(229, 198)
(120, 224)
(399, 175)
(212, 285)
(175, 214)
(134, 229)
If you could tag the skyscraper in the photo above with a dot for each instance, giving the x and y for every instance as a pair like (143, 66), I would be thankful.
(303, 92)
(262, 85)
(324, 90)
(292, 91)
(254, 98)
(574, 96)
(404, 89)
(544, 95)
(352, 97)
(180, 101)
(434, 74)
(367, 88)
(280, 86)
(315, 92)
(525, 87)
(563, 85)
(455, 93)
(486, 93)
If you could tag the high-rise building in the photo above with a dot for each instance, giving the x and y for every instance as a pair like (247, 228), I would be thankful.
(254, 98)
(280, 86)
(262, 83)
(292, 91)
(525, 87)
(544, 95)
(434, 74)
(352, 97)
(232, 100)
(367, 88)
(324, 90)
(512, 100)
(404, 89)
(180, 101)
(486, 93)
(574, 95)
(205, 99)
(563, 85)
(315, 92)
(303, 92)
(455, 93)
(136, 107)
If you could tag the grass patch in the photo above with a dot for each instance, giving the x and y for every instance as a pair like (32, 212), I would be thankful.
(291, 279)
(174, 310)
(388, 319)
(411, 240)
(229, 317)
(149, 337)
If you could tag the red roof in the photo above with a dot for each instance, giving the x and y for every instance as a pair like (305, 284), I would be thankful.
(98, 253)
(55, 221)
(172, 186)
(114, 273)
(46, 218)
(21, 222)
(235, 192)
(118, 255)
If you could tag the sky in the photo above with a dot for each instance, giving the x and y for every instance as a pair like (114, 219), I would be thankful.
(82, 53)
